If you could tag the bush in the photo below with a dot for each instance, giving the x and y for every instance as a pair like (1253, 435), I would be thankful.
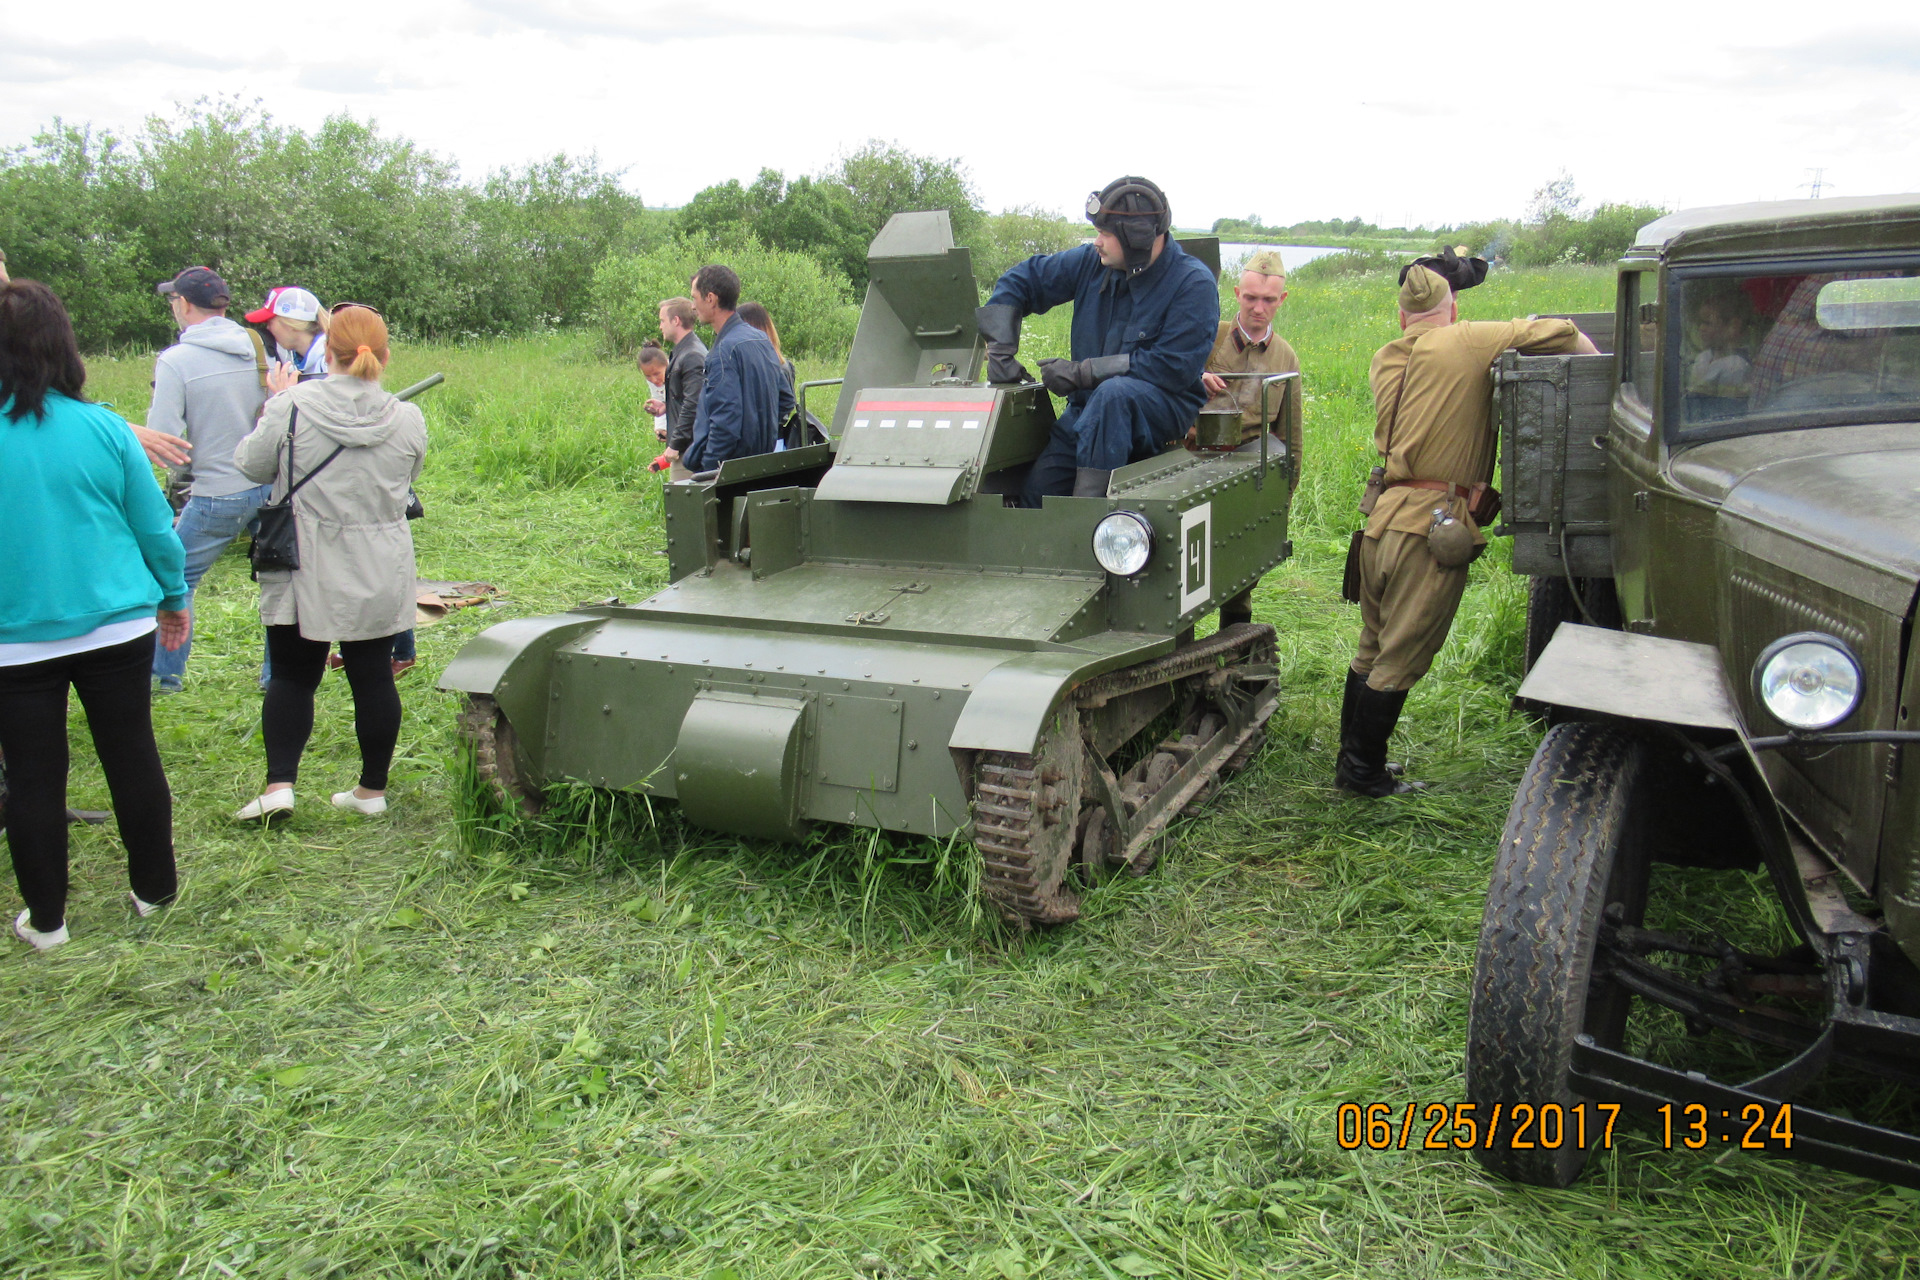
(1017, 234)
(344, 211)
(1339, 266)
(809, 304)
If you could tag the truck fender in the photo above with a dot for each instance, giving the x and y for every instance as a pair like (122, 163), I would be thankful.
(1634, 677)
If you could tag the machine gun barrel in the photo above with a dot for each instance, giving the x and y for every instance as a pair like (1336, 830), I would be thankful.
(425, 384)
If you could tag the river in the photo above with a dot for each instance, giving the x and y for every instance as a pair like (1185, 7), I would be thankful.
(1294, 255)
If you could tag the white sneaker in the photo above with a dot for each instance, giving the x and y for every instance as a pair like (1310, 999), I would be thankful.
(369, 806)
(23, 929)
(141, 908)
(274, 806)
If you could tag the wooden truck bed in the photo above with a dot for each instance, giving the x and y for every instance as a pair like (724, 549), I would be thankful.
(1551, 416)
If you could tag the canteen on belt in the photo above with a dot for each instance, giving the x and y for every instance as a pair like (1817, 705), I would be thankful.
(1450, 541)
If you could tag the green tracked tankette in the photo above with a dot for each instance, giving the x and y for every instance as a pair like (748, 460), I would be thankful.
(868, 632)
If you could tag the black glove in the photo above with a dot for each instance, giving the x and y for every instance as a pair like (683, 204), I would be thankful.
(1064, 377)
(1003, 364)
(1000, 325)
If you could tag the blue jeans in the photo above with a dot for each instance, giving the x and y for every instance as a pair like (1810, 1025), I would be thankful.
(206, 527)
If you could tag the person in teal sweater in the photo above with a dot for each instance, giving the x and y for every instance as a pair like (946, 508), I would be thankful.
(92, 572)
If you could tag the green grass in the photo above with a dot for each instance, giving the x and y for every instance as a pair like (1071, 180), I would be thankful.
(370, 1048)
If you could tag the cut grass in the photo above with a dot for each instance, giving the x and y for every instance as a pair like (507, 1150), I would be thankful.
(372, 1048)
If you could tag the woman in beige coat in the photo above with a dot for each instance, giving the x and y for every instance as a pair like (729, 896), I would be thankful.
(355, 452)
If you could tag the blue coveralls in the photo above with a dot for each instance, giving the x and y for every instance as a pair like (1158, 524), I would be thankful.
(746, 397)
(1165, 319)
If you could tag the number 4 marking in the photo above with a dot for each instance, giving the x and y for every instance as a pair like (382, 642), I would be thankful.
(1196, 567)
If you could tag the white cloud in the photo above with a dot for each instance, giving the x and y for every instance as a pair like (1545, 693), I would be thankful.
(1338, 112)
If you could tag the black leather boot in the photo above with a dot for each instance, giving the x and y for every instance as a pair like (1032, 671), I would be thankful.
(1367, 721)
(1090, 482)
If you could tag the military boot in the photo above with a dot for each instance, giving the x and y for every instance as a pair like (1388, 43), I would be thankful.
(1366, 724)
(1356, 682)
(1090, 482)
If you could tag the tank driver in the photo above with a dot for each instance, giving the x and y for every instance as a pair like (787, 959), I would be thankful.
(1145, 313)
(1431, 397)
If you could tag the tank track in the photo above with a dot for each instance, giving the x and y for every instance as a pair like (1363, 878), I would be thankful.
(1026, 843)
(484, 726)
(1010, 828)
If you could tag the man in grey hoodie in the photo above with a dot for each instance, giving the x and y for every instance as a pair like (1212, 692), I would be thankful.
(208, 388)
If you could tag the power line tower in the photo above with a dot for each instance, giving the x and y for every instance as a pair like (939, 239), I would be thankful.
(1818, 184)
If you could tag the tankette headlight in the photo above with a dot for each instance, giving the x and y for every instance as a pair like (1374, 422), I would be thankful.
(1808, 680)
(1122, 542)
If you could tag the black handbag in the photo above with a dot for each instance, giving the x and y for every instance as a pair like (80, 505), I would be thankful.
(276, 543)
(414, 509)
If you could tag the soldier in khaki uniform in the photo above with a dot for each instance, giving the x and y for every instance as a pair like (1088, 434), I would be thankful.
(1246, 343)
(1431, 397)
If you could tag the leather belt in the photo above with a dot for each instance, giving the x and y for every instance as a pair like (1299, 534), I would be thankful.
(1438, 486)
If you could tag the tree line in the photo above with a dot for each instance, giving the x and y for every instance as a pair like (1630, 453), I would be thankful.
(354, 213)
(1556, 229)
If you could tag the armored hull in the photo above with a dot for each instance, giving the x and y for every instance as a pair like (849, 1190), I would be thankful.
(871, 632)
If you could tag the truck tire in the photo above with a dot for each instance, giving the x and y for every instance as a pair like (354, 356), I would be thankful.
(1574, 849)
(1550, 602)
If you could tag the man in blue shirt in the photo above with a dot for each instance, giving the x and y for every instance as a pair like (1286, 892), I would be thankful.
(746, 395)
(1145, 314)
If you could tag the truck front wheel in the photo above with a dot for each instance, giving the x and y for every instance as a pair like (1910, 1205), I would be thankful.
(1574, 853)
(1551, 601)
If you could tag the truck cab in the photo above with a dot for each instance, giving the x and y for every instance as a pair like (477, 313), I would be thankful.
(1717, 521)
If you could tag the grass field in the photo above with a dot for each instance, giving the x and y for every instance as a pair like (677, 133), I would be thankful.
(370, 1048)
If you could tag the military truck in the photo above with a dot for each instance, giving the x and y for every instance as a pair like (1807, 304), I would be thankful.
(871, 632)
(1718, 517)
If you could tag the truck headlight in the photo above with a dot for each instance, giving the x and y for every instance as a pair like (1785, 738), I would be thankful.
(1122, 542)
(1808, 680)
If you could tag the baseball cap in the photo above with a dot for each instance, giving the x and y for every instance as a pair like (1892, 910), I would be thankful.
(289, 302)
(200, 286)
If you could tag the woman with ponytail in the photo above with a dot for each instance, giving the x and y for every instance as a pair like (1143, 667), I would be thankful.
(348, 453)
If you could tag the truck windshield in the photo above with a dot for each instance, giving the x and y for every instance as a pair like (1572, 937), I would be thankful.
(1764, 351)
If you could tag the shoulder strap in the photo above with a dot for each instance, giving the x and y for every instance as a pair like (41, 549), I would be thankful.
(1399, 398)
(259, 356)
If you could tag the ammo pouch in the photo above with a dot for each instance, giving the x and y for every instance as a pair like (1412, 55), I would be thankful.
(1483, 504)
(1376, 485)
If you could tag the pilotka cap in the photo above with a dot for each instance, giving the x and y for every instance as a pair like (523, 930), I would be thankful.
(1423, 290)
(1267, 262)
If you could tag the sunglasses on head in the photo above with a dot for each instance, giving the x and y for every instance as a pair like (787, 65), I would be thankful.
(338, 307)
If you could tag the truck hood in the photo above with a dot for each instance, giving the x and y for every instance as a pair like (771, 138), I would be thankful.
(1847, 519)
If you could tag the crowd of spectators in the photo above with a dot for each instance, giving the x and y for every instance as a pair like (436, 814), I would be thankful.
(299, 447)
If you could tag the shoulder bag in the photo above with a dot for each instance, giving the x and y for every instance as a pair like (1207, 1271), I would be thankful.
(276, 543)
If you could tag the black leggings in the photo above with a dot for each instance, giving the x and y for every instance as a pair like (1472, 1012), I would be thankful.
(112, 684)
(286, 715)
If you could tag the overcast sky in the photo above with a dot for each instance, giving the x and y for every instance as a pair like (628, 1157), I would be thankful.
(1373, 110)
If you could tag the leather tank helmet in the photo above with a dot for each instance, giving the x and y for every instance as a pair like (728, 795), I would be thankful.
(1136, 212)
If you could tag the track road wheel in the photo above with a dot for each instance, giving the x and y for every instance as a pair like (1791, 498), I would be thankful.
(495, 754)
(1575, 845)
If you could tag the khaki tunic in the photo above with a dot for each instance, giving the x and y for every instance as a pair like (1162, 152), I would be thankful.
(1227, 357)
(1435, 378)
(1442, 431)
